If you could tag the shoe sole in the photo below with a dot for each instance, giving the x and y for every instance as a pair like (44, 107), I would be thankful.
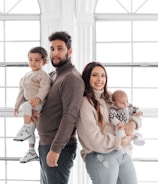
(21, 139)
(140, 143)
(33, 159)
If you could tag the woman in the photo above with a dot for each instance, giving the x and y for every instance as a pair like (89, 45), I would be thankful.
(107, 162)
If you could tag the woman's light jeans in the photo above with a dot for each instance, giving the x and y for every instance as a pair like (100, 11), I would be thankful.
(115, 167)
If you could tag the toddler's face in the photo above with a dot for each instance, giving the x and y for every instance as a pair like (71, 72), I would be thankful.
(35, 61)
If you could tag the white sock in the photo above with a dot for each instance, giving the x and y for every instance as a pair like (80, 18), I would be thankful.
(27, 125)
(31, 149)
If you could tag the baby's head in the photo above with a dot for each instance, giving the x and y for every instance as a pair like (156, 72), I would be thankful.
(37, 57)
(120, 99)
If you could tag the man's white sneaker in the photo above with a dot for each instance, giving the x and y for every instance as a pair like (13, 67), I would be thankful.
(29, 156)
(23, 134)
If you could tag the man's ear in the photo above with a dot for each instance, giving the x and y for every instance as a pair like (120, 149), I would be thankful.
(70, 52)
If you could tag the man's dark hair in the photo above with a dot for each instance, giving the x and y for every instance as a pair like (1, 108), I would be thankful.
(64, 36)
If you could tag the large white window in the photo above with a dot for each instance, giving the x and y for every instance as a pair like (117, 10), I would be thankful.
(19, 31)
(126, 42)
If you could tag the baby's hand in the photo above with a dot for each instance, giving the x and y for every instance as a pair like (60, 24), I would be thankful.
(121, 126)
(35, 101)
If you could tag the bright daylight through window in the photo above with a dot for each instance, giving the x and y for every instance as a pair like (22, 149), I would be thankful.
(126, 42)
(125, 39)
(19, 30)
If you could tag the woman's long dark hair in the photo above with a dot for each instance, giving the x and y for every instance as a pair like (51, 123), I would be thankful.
(89, 93)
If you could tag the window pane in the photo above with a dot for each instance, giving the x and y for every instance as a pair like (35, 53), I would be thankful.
(1, 31)
(149, 7)
(153, 128)
(22, 6)
(2, 95)
(1, 127)
(17, 121)
(13, 80)
(117, 76)
(32, 170)
(145, 98)
(145, 52)
(11, 96)
(13, 48)
(106, 31)
(113, 53)
(127, 6)
(151, 139)
(21, 147)
(142, 170)
(2, 152)
(106, 6)
(2, 166)
(2, 76)
(27, 182)
(147, 77)
(22, 30)
(2, 52)
(145, 30)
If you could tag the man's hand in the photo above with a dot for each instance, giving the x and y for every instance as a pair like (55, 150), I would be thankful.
(130, 127)
(35, 116)
(52, 158)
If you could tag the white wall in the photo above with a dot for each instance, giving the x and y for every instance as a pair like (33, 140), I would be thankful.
(75, 17)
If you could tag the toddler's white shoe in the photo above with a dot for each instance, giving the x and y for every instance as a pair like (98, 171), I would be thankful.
(23, 134)
(29, 156)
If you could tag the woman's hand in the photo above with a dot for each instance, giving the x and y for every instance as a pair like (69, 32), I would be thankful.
(130, 127)
(126, 140)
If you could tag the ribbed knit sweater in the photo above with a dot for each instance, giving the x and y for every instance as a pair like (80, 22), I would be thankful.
(60, 113)
(33, 84)
(90, 136)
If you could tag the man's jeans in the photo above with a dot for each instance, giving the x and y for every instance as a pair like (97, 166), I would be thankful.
(115, 167)
(60, 174)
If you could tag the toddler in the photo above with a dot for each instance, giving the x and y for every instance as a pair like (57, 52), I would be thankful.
(34, 87)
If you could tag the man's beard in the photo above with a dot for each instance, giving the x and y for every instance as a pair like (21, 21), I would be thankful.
(62, 62)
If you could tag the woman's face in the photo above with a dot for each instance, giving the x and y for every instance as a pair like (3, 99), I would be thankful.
(97, 78)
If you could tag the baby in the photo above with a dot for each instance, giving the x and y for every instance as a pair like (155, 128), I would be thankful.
(122, 111)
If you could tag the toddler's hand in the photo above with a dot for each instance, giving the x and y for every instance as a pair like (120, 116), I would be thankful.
(16, 112)
(121, 126)
(35, 101)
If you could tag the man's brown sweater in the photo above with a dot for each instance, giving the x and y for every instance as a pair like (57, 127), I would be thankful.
(57, 123)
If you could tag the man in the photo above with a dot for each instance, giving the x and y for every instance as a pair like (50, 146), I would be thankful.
(57, 122)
